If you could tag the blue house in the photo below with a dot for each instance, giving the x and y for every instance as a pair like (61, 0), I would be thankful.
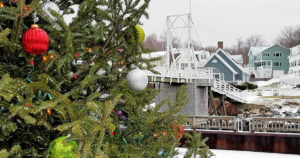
(226, 68)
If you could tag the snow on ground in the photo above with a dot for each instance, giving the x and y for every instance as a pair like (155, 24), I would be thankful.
(264, 83)
(271, 88)
(238, 154)
(281, 99)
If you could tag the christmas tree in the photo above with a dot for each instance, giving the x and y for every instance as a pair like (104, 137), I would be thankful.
(63, 88)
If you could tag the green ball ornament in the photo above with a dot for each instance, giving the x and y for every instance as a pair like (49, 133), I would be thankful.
(141, 34)
(58, 149)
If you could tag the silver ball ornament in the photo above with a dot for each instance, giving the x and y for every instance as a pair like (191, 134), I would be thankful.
(137, 80)
(47, 6)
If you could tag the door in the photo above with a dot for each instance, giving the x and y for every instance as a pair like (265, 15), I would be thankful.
(278, 73)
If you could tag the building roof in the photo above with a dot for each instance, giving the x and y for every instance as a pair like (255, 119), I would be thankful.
(223, 61)
(226, 64)
(153, 54)
(238, 58)
(256, 50)
(202, 52)
(244, 70)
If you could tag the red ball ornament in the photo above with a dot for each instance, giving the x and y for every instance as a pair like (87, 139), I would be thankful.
(181, 129)
(35, 40)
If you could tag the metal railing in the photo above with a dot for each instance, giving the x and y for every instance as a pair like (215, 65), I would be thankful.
(236, 124)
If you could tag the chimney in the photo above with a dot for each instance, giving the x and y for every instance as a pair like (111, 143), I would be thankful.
(220, 44)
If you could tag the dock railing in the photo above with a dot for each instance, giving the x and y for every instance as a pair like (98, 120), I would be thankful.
(237, 124)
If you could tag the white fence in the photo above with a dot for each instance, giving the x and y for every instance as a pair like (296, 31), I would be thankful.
(230, 91)
(177, 73)
(236, 124)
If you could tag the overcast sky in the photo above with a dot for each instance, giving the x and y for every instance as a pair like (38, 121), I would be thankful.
(227, 20)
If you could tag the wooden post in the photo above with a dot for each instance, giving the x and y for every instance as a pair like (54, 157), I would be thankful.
(212, 102)
(222, 103)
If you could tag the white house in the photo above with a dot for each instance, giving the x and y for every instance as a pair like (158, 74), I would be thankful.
(293, 77)
(294, 60)
(202, 56)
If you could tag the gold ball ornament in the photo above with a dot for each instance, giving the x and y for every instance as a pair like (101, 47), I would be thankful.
(45, 58)
(2, 7)
(140, 33)
(51, 56)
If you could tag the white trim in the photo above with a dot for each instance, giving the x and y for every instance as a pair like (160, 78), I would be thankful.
(224, 62)
(229, 57)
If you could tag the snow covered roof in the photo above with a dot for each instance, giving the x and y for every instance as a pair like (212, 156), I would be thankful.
(153, 55)
(256, 50)
(238, 58)
(202, 52)
(294, 50)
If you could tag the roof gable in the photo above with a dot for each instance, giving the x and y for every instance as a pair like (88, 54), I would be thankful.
(257, 50)
(222, 61)
(276, 45)
(231, 60)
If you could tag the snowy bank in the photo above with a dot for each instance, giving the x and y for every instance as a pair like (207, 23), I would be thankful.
(238, 154)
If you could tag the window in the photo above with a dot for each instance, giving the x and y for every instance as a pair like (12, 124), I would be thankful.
(277, 64)
(267, 54)
(298, 62)
(202, 56)
(214, 61)
(192, 65)
(182, 65)
(294, 63)
(277, 54)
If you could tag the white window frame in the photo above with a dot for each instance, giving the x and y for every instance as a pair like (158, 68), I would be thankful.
(266, 54)
(275, 54)
(279, 64)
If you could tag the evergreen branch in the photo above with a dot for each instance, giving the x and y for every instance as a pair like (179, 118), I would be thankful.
(3, 153)
(19, 21)
(32, 7)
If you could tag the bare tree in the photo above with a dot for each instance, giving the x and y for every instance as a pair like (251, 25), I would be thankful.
(242, 46)
(210, 49)
(289, 36)
(152, 42)
(196, 45)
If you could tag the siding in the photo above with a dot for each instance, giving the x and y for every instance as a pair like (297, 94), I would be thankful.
(233, 65)
(283, 59)
(228, 75)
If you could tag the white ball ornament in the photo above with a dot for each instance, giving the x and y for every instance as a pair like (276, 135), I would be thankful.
(50, 5)
(137, 80)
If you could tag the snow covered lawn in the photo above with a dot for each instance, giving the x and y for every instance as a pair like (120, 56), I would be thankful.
(241, 154)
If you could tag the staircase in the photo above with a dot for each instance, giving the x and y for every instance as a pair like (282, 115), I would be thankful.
(228, 90)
